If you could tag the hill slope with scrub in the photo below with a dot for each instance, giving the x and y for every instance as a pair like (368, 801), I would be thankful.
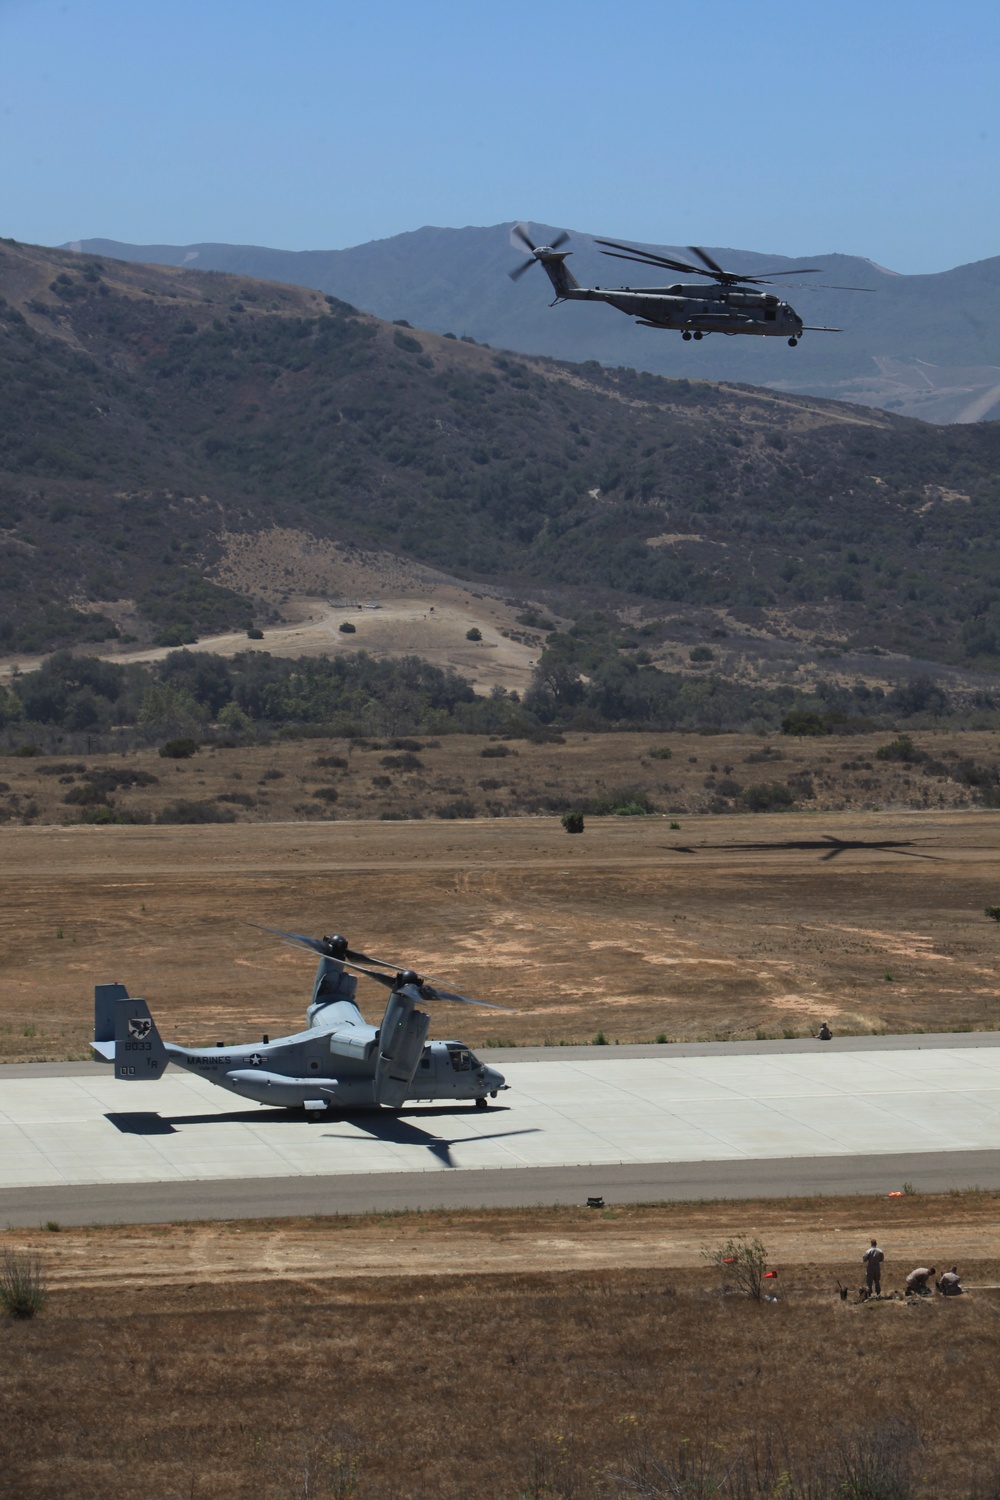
(147, 414)
(924, 346)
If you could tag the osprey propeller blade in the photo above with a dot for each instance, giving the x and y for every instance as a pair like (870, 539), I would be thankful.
(409, 979)
(327, 947)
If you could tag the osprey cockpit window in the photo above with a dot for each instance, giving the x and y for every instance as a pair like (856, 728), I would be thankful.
(461, 1059)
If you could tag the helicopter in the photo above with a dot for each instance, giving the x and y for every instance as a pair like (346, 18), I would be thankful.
(339, 1062)
(728, 303)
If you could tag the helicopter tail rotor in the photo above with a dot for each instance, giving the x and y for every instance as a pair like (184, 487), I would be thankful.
(551, 258)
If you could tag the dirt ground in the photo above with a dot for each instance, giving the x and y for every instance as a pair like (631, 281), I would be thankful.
(827, 1235)
(729, 927)
(307, 588)
(414, 1358)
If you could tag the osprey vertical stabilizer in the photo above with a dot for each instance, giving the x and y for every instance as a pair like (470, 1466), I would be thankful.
(139, 1049)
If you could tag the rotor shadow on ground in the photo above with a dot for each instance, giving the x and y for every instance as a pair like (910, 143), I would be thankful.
(829, 847)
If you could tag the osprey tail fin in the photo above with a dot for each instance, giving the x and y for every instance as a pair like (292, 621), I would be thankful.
(105, 996)
(139, 1049)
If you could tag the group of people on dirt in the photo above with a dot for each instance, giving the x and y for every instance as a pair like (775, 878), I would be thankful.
(949, 1283)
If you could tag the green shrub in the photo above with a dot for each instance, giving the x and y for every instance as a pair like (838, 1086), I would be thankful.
(994, 912)
(701, 654)
(176, 635)
(22, 1290)
(903, 749)
(461, 807)
(496, 752)
(767, 796)
(661, 753)
(573, 822)
(622, 802)
(803, 722)
(183, 811)
(346, 628)
(743, 1263)
(179, 749)
(474, 634)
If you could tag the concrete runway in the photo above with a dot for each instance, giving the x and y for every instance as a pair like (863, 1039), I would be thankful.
(630, 1124)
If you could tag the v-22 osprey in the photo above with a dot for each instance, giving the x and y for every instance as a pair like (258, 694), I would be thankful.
(339, 1062)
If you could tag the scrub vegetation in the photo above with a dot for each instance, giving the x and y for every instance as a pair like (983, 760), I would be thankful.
(591, 1385)
(145, 410)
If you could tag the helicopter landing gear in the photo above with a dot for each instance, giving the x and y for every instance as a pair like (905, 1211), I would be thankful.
(686, 334)
(699, 334)
(792, 343)
(482, 1103)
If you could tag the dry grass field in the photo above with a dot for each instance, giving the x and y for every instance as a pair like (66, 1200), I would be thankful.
(268, 1360)
(726, 927)
(471, 776)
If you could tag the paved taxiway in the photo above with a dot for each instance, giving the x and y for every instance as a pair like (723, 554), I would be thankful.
(862, 1114)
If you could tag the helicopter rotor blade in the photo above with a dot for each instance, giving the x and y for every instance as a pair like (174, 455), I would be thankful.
(649, 257)
(520, 232)
(519, 271)
(707, 260)
(560, 239)
(788, 271)
(655, 265)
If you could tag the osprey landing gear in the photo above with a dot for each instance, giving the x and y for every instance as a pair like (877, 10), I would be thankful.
(792, 342)
(482, 1102)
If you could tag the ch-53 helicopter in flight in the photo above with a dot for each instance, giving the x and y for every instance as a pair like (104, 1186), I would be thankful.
(727, 303)
(339, 1062)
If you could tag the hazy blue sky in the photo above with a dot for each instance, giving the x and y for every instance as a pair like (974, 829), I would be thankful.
(869, 126)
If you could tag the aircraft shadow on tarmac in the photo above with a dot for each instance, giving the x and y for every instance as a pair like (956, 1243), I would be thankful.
(829, 847)
(381, 1126)
(396, 1131)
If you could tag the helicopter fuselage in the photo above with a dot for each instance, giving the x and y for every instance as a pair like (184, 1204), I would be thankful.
(697, 309)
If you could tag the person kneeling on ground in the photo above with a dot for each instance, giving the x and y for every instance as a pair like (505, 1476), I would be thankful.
(916, 1282)
(824, 1033)
(950, 1284)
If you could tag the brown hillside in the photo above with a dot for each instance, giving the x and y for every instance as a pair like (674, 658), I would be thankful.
(149, 412)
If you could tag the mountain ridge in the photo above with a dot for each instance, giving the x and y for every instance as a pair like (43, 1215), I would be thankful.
(926, 346)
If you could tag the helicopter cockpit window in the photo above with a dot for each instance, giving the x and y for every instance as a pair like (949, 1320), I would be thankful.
(461, 1059)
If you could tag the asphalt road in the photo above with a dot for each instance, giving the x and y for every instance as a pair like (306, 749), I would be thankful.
(279, 1197)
